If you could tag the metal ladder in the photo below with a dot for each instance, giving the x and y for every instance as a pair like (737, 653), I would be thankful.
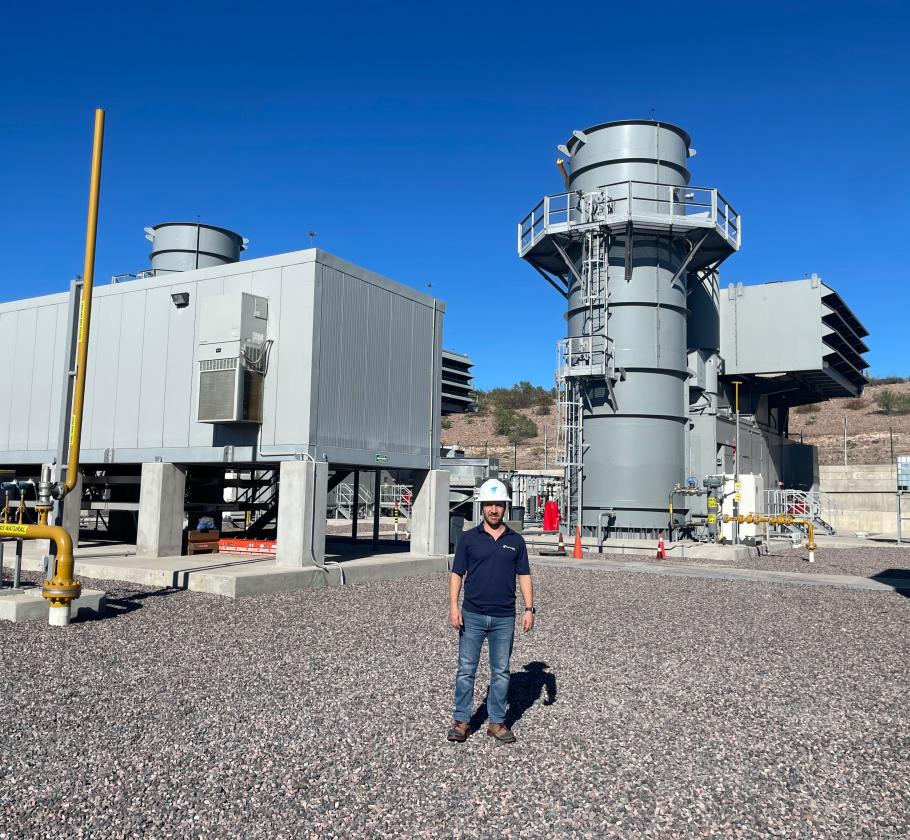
(593, 262)
(570, 441)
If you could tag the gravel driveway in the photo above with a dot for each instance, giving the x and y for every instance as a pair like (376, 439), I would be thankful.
(647, 707)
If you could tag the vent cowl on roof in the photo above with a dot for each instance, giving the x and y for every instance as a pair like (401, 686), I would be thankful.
(185, 246)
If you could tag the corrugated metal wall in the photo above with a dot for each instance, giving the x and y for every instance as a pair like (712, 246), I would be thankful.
(375, 367)
(31, 338)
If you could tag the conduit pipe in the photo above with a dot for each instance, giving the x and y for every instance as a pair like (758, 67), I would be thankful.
(754, 518)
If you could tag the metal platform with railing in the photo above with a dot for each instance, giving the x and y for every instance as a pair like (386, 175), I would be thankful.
(392, 497)
(584, 356)
(647, 205)
(818, 507)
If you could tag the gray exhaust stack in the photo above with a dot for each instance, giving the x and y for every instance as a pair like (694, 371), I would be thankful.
(631, 247)
(185, 246)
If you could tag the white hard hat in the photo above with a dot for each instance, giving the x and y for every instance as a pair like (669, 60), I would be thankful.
(493, 490)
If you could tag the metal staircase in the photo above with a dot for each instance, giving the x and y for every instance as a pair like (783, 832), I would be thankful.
(817, 507)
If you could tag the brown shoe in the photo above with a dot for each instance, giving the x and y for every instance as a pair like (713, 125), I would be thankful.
(459, 731)
(501, 732)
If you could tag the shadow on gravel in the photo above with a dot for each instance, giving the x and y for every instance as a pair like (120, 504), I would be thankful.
(898, 578)
(525, 689)
(125, 604)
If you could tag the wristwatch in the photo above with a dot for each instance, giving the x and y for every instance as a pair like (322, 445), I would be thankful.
(532, 610)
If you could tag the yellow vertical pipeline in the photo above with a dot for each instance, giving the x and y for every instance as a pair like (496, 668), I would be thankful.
(60, 589)
(85, 304)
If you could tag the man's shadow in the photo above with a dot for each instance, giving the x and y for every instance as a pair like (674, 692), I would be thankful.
(525, 689)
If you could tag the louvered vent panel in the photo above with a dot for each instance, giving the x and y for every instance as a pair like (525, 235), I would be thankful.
(218, 390)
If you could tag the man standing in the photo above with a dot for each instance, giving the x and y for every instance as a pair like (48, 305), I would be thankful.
(489, 557)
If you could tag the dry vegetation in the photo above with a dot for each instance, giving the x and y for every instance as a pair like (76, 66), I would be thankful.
(868, 432)
(869, 429)
(474, 434)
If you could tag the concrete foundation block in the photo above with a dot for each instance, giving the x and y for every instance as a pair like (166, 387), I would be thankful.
(161, 494)
(30, 605)
(430, 514)
(302, 495)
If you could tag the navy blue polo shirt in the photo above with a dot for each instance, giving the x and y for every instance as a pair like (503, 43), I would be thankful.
(490, 567)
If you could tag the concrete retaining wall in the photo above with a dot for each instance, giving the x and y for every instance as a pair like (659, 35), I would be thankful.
(865, 495)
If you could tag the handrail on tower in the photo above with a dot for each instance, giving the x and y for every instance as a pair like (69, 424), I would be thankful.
(625, 201)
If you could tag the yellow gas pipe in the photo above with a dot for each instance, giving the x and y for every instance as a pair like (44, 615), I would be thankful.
(60, 589)
(85, 305)
(754, 518)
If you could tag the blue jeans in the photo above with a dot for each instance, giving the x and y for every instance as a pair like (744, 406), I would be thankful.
(499, 633)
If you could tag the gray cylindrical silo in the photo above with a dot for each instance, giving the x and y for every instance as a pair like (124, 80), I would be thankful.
(635, 439)
(184, 246)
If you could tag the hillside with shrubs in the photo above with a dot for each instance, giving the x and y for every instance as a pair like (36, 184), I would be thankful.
(881, 415)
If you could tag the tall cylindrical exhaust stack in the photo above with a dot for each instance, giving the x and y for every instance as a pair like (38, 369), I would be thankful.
(626, 245)
(185, 246)
(635, 437)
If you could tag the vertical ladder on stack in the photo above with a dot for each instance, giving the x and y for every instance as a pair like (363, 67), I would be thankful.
(584, 358)
(570, 443)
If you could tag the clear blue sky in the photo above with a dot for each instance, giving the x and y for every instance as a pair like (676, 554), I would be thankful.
(412, 137)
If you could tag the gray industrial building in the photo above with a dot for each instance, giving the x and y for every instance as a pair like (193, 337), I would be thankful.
(204, 368)
(261, 360)
(654, 342)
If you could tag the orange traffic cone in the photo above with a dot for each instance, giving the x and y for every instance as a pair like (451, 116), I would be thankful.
(576, 552)
(561, 548)
(661, 551)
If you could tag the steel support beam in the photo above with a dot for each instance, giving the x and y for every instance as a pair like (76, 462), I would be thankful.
(568, 262)
(685, 263)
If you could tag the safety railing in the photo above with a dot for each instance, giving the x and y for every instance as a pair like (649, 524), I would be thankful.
(396, 496)
(819, 507)
(628, 201)
(344, 497)
(390, 496)
(141, 275)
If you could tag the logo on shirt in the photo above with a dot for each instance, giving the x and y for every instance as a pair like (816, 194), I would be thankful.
(510, 547)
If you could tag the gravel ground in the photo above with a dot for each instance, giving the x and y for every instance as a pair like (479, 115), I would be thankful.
(646, 707)
(866, 560)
